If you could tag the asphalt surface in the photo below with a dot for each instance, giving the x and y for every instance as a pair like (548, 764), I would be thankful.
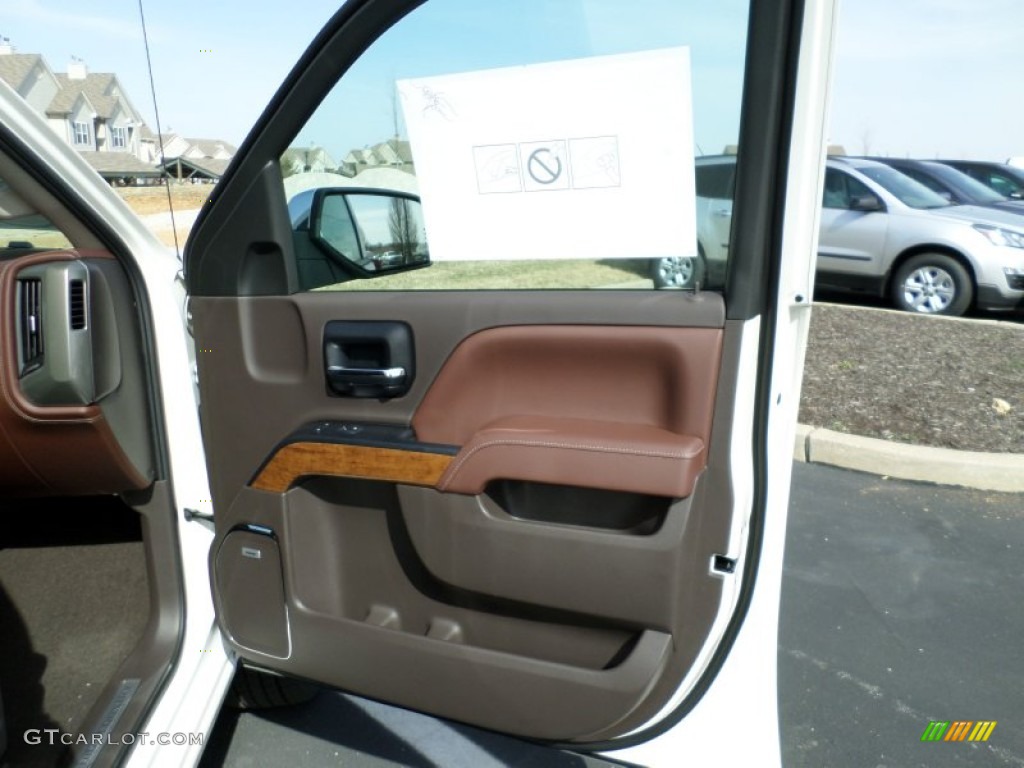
(901, 605)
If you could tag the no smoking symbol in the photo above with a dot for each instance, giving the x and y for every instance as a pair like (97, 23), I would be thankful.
(544, 166)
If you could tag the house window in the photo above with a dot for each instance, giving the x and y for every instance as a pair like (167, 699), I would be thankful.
(82, 133)
(118, 137)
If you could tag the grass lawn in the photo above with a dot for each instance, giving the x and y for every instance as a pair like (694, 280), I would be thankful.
(509, 275)
(39, 238)
(145, 200)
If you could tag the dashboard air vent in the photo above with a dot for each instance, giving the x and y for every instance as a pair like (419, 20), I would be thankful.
(76, 304)
(30, 323)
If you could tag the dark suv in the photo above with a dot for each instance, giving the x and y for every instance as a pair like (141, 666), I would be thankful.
(954, 185)
(1007, 180)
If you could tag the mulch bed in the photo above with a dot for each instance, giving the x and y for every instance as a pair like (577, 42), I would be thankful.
(915, 379)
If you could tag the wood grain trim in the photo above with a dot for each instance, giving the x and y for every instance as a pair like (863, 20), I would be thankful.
(297, 460)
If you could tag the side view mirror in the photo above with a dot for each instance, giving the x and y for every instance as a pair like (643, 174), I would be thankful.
(371, 231)
(866, 204)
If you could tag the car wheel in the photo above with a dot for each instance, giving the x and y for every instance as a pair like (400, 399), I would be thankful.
(255, 689)
(932, 283)
(677, 271)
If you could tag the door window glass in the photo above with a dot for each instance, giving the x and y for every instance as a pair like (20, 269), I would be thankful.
(1004, 185)
(715, 181)
(23, 228)
(551, 144)
(841, 189)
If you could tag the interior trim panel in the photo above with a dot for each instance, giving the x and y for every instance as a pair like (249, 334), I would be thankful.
(472, 544)
(271, 348)
(352, 609)
(579, 452)
(664, 377)
(296, 461)
(68, 447)
(484, 546)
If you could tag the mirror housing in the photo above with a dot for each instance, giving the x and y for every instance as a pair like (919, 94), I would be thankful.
(369, 231)
(866, 204)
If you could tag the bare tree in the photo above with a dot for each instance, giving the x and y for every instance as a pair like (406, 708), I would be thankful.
(402, 224)
(865, 141)
(291, 163)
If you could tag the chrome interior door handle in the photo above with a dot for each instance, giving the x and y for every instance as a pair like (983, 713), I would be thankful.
(367, 374)
(372, 359)
(367, 382)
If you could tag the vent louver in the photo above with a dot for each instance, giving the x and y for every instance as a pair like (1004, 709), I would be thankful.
(30, 319)
(76, 304)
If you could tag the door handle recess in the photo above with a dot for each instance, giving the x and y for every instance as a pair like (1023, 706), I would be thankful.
(382, 381)
(368, 359)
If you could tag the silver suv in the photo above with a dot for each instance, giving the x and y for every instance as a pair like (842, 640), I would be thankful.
(885, 234)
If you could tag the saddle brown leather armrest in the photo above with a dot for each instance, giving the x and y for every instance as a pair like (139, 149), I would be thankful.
(580, 452)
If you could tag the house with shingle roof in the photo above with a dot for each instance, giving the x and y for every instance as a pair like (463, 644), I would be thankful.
(28, 74)
(195, 159)
(91, 111)
(393, 153)
(94, 112)
(194, 169)
(171, 144)
(195, 149)
(307, 160)
(213, 149)
(120, 166)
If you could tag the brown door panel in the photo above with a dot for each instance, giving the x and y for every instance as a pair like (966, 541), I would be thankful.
(656, 376)
(585, 453)
(262, 370)
(354, 619)
(472, 544)
(559, 467)
(502, 691)
(588, 453)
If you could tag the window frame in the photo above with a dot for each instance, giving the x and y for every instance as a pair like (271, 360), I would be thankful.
(118, 137)
(766, 103)
(80, 129)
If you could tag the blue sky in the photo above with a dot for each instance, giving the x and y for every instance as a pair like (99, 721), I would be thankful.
(475, 37)
(216, 63)
(913, 77)
(930, 78)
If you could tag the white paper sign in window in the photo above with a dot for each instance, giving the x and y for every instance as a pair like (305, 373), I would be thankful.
(586, 158)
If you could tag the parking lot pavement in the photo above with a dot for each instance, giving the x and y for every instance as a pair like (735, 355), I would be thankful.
(901, 605)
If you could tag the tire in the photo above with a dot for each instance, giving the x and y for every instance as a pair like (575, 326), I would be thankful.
(255, 689)
(933, 284)
(677, 271)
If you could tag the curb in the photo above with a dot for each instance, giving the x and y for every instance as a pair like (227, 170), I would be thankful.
(943, 466)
